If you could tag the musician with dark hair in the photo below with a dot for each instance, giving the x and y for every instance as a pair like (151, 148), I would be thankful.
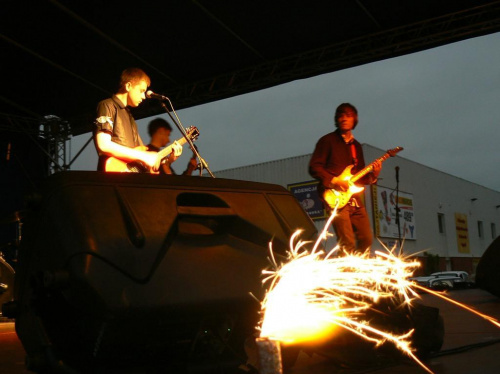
(333, 153)
(159, 130)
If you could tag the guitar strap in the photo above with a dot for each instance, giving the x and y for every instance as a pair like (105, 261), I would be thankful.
(353, 201)
(354, 154)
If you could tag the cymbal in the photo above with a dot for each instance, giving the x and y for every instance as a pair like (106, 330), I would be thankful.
(12, 217)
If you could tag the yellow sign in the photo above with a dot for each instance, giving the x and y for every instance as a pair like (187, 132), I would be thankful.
(462, 233)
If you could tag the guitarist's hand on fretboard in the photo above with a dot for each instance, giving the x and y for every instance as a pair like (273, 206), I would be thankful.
(176, 150)
(173, 155)
(377, 166)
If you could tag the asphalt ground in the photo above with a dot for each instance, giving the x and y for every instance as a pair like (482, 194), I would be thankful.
(471, 345)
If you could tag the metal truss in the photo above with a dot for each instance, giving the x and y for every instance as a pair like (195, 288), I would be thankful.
(49, 133)
(377, 46)
(56, 132)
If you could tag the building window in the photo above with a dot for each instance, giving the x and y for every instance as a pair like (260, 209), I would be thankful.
(441, 223)
(480, 229)
(493, 231)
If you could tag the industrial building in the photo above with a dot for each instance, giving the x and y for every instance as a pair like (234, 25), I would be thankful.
(446, 220)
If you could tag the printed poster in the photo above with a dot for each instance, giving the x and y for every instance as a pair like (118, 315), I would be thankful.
(384, 211)
(307, 195)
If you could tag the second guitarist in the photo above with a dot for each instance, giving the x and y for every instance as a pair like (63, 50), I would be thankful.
(333, 153)
(159, 130)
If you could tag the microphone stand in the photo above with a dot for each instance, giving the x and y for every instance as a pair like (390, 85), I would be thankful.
(202, 162)
(398, 210)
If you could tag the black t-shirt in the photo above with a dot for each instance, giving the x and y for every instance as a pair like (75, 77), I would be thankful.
(115, 119)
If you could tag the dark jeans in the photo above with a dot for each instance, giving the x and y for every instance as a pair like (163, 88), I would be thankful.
(352, 227)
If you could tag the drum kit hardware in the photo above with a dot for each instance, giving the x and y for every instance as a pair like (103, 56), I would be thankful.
(8, 257)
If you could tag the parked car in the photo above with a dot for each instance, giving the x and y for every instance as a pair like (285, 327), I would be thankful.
(445, 283)
(466, 283)
(446, 280)
(462, 274)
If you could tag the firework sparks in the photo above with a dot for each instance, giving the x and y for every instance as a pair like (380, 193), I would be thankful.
(313, 294)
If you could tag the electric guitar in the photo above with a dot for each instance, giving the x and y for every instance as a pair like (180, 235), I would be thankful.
(116, 165)
(333, 197)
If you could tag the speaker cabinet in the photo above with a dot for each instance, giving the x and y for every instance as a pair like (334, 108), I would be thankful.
(487, 272)
(120, 270)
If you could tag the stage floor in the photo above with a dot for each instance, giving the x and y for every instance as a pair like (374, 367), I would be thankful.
(471, 344)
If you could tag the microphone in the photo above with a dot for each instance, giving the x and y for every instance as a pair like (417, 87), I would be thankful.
(397, 173)
(151, 95)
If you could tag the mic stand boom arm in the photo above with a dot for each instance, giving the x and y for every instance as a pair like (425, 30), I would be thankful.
(398, 222)
(203, 164)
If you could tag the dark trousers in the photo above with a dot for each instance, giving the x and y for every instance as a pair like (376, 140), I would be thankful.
(352, 227)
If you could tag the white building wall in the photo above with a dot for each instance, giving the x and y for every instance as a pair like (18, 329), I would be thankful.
(433, 192)
(437, 192)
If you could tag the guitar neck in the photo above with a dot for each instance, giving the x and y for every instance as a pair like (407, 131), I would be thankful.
(360, 174)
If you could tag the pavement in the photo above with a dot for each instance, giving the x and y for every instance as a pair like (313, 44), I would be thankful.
(471, 345)
(11, 350)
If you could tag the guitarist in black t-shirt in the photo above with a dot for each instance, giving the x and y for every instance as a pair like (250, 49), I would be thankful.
(116, 137)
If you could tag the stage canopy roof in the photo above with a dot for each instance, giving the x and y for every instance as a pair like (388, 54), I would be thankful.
(60, 57)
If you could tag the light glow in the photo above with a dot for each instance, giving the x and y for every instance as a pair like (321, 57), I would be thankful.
(313, 294)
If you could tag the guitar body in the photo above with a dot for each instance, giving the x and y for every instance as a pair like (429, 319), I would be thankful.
(339, 199)
(117, 165)
(333, 197)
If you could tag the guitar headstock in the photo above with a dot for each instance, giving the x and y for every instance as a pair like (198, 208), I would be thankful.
(394, 151)
(192, 132)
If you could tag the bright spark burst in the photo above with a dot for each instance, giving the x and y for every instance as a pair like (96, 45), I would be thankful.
(313, 294)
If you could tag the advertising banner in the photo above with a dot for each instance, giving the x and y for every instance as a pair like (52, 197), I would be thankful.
(384, 212)
(462, 233)
(307, 195)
